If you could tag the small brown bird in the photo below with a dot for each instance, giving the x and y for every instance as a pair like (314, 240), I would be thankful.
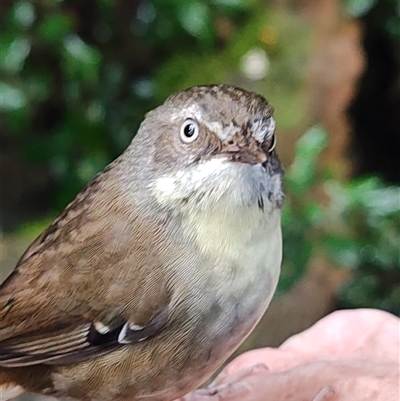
(160, 267)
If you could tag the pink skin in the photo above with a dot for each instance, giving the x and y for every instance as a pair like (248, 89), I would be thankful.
(346, 356)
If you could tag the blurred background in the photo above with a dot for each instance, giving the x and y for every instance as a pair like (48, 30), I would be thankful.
(76, 78)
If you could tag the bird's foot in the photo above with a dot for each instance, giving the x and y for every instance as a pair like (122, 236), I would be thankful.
(233, 389)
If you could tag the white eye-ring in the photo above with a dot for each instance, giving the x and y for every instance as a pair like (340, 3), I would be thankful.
(189, 131)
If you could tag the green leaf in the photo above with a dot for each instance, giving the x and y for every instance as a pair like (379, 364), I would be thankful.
(382, 201)
(54, 28)
(81, 60)
(358, 8)
(78, 49)
(12, 98)
(24, 14)
(312, 143)
(13, 55)
(363, 291)
(344, 251)
(195, 18)
(234, 4)
(301, 174)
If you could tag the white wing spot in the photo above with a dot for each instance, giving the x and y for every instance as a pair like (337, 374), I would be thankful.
(101, 328)
(125, 329)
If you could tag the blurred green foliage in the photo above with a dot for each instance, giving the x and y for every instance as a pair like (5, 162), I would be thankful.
(77, 77)
(302, 213)
(356, 225)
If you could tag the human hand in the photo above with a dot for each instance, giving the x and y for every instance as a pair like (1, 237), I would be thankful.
(350, 355)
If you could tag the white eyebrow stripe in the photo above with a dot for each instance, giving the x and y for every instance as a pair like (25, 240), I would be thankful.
(192, 111)
(225, 133)
(260, 128)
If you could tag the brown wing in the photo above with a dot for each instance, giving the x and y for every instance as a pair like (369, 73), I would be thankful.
(72, 345)
(83, 288)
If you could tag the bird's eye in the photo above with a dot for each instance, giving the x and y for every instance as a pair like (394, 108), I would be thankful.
(272, 144)
(189, 131)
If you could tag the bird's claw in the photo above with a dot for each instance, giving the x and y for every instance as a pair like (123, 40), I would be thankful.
(234, 389)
